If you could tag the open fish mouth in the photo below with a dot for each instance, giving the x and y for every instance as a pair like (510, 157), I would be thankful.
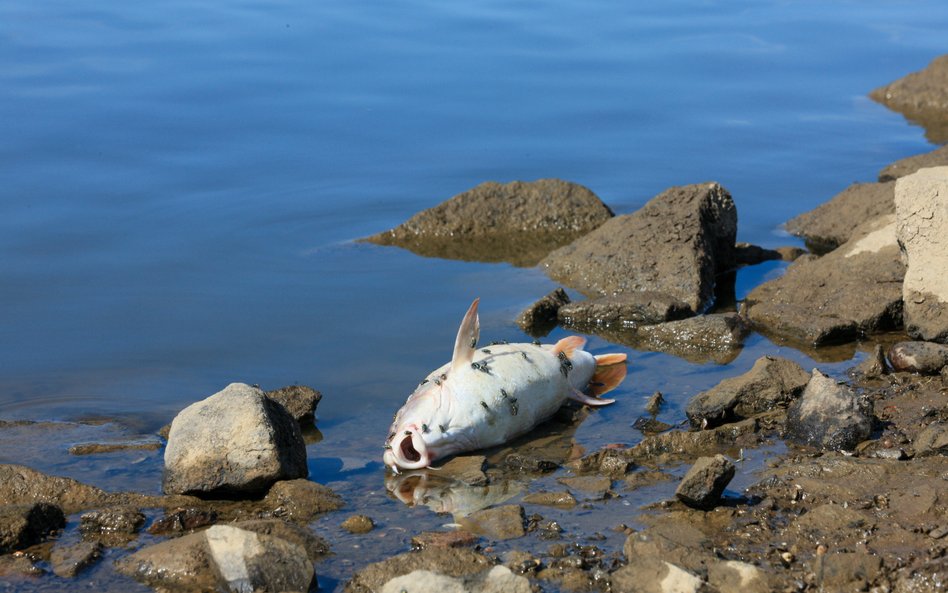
(409, 452)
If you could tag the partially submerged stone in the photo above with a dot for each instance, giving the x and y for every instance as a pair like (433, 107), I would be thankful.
(124, 520)
(909, 165)
(553, 499)
(771, 383)
(503, 522)
(853, 291)
(358, 524)
(454, 562)
(69, 560)
(498, 579)
(925, 358)
(833, 223)
(922, 97)
(716, 337)
(299, 400)
(828, 415)
(540, 318)
(921, 201)
(676, 244)
(236, 441)
(301, 500)
(624, 310)
(22, 525)
(518, 222)
(705, 482)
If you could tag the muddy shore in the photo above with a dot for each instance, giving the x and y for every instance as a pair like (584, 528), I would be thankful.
(865, 514)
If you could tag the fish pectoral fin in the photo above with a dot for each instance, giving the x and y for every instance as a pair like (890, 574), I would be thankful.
(610, 372)
(589, 401)
(569, 345)
(466, 341)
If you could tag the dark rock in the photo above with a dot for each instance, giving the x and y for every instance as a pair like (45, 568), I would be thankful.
(456, 538)
(676, 244)
(299, 400)
(301, 500)
(68, 561)
(498, 579)
(853, 291)
(358, 524)
(540, 318)
(531, 464)
(654, 404)
(828, 415)
(223, 557)
(99, 448)
(874, 366)
(932, 440)
(653, 575)
(718, 337)
(650, 425)
(924, 358)
(182, 521)
(909, 165)
(234, 442)
(113, 526)
(518, 222)
(791, 253)
(624, 310)
(453, 562)
(503, 522)
(921, 203)
(747, 254)
(22, 525)
(704, 483)
(832, 223)
(922, 97)
(553, 499)
(771, 383)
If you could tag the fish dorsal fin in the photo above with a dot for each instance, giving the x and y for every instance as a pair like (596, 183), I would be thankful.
(467, 339)
(568, 345)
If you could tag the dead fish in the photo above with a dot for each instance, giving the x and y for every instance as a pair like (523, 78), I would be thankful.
(474, 409)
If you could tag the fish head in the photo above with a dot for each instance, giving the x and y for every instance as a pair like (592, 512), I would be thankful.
(418, 436)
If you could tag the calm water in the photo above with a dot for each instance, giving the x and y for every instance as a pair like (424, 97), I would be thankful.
(181, 184)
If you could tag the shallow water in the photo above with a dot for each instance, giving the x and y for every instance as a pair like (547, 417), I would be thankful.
(183, 184)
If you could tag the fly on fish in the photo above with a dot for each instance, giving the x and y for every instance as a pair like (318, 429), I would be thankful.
(509, 389)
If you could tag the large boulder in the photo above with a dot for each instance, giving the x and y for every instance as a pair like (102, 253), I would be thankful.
(909, 165)
(771, 383)
(829, 415)
(921, 205)
(236, 441)
(832, 223)
(852, 291)
(676, 244)
(518, 222)
(921, 97)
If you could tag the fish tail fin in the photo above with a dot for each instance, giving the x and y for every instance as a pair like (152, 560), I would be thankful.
(610, 372)
(569, 345)
(466, 341)
(588, 400)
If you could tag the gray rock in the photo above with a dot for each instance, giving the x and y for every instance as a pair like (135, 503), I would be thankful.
(453, 562)
(624, 310)
(518, 222)
(852, 291)
(909, 165)
(22, 525)
(498, 579)
(832, 223)
(676, 244)
(705, 482)
(922, 97)
(503, 522)
(234, 442)
(771, 383)
(299, 400)
(925, 358)
(921, 203)
(717, 337)
(223, 557)
(932, 440)
(540, 318)
(315, 546)
(68, 561)
(828, 415)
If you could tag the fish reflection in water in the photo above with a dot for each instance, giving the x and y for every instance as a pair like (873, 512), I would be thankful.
(444, 495)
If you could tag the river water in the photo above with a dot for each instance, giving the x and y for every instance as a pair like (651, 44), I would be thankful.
(182, 185)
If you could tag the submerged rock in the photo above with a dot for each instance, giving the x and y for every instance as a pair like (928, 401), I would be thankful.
(909, 165)
(771, 383)
(299, 400)
(503, 522)
(113, 527)
(921, 97)
(832, 223)
(852, 291)
(921, 201)
(453, 562)
(925, 358)
(22, 525)
(68, 561)
(627, 309)
(828, 415)
(540, 318)
(498, 579)
(676, 244)
(518, 222)
(705, 482)
(234, 442)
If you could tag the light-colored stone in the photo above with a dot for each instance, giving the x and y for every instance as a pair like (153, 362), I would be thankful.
(652, 575)
(249, 562)
(733, 576)
(921, 206)
(498, 579)
(235, 441)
